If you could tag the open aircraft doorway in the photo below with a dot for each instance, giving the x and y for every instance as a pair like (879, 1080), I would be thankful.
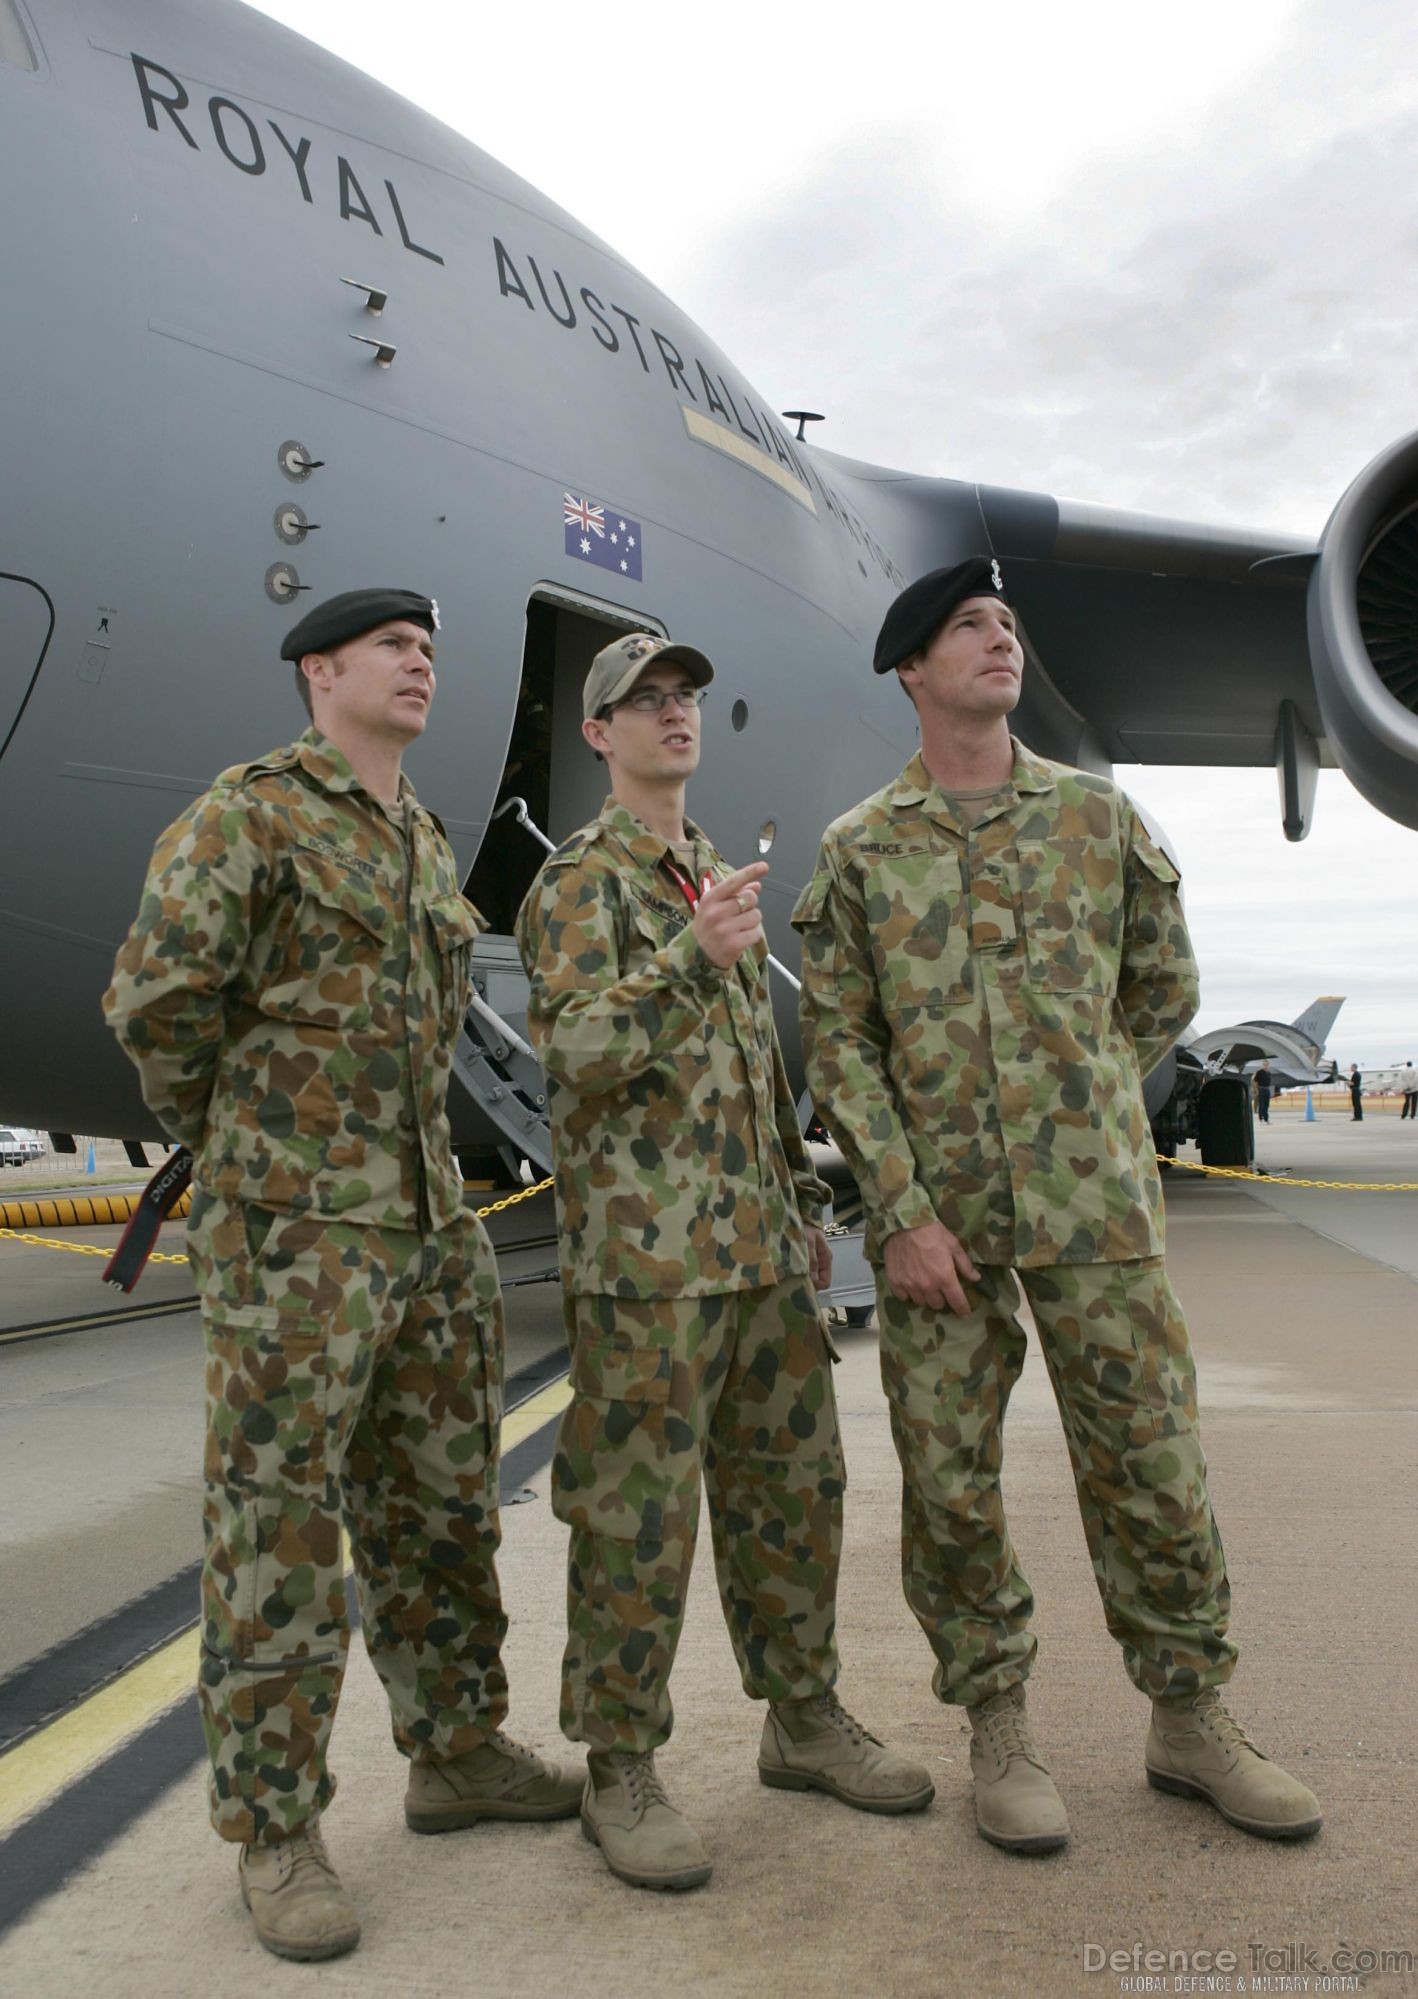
(499, 1115)
(548, 764)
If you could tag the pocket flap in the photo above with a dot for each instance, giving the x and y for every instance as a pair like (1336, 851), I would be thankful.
(455, 921)
(609, 1372)
(1146, 850)
(321, 879)
(810, 904)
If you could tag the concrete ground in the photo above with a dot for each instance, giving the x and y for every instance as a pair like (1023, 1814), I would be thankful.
(1306, 1353)
(100, 1473)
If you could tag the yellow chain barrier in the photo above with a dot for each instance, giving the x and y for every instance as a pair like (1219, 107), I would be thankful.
(50, 1242)
(1286, 1180)
(512, 1199)
(162, 1256)
(833, 1228)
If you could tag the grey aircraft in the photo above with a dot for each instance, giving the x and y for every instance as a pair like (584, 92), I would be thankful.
(272, 333)
(1292, 1050)
(1201, 1090)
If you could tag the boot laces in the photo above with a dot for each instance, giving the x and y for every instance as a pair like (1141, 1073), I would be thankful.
(516, 1750)
(306, 1850)
(1006, 1726)
(1212, 1712)
(833, 1712)
(642, 1780)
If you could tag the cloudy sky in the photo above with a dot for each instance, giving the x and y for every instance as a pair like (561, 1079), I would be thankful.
(1160, 258)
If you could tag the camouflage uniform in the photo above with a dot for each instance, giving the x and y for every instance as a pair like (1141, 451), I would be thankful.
(681, 1181)
(980, 1002)
(291, 992)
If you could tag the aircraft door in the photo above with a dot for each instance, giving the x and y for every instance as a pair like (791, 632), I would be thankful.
(548, 763)
(26, 627)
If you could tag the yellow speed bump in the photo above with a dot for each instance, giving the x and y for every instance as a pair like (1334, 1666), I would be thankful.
(74, 1211)
(92, 1210)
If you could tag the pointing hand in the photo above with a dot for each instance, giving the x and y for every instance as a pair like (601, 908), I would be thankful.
(727, 921)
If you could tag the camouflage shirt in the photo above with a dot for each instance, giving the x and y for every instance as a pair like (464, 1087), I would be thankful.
(979, 1009)
(680, 1167)
(292, 989)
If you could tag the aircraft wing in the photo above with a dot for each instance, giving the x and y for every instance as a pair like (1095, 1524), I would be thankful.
(1163, 641)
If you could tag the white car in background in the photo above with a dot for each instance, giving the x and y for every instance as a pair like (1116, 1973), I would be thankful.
(18, 1148)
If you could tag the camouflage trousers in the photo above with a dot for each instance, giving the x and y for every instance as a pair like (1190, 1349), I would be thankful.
(353, 1374)
(735, 1386)
(1115, 1344)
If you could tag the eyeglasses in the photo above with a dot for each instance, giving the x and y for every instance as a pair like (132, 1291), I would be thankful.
(651, 700)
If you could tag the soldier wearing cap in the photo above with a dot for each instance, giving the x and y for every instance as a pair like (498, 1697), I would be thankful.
(690, 1232)
(291, 991)
(994, 954)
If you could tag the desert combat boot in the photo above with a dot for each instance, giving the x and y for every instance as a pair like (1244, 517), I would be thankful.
(1196, 1749)
(815, 1745)
(497, 1780)
(643, 1838)
(1016, 1805)
(297, 1900)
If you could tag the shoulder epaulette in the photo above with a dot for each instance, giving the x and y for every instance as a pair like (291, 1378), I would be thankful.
(878, 810)
(273, 762)
(576, 844)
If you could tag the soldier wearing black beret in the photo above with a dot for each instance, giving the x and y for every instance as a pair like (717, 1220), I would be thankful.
(994, 954)
(328, 626)
(291, 992)
(923, 607)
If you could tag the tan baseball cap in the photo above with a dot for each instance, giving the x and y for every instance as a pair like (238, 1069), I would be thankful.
(616, 668)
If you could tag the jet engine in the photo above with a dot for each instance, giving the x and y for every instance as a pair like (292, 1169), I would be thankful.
(1363, 631)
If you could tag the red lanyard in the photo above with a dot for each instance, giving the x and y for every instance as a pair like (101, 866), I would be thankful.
(685, 884)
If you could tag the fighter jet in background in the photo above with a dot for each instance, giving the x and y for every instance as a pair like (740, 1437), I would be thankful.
(1294, 1052)
(271, 333)
(1202, 1089)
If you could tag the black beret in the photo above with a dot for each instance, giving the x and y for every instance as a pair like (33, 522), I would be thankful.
(923, 607)
(342, 618)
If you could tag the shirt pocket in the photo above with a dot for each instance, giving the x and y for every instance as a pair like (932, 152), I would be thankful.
(1071, 906)
(651, 927)
(918, 916)
(334, 944)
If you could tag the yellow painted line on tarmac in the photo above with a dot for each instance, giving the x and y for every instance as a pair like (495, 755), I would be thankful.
(34, 1770)
(533, 1414)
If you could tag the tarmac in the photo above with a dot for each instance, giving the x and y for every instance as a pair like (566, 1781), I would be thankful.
(1302, 1308)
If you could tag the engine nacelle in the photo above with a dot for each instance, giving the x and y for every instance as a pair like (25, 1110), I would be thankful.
(1363, 631)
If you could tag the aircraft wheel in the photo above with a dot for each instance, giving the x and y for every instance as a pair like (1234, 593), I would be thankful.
(1225, 1131)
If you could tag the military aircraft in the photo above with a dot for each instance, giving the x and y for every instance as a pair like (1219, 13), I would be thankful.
(1201, 1090)
(1293, 1051)
(271, 333)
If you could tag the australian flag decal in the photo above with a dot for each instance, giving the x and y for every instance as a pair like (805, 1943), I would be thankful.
(596, 533)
